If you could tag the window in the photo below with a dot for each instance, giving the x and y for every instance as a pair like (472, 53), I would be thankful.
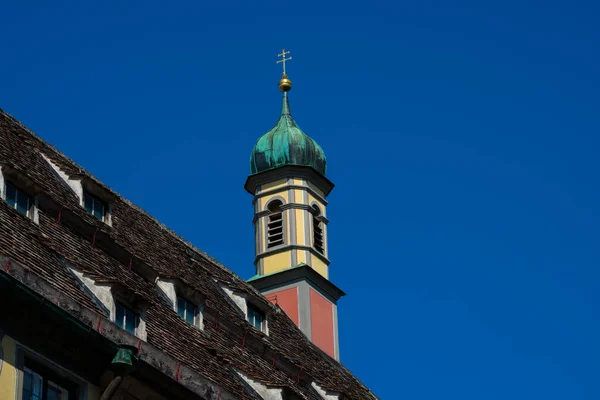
(126, 319)
(43, 383)
(94, 206)
(317, 230)
(187, 311)
(256, 317)
(17, 199)
(275, 224)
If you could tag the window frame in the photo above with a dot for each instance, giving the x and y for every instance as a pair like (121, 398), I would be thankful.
(48, 375)
(18, 191)
(76, 386)
(131, 310)
(196, 310)
(252, 312)
(95, 200)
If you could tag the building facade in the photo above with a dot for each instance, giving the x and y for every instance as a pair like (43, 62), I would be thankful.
(99, 300)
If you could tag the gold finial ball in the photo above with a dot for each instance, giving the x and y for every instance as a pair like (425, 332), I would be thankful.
(285, 84)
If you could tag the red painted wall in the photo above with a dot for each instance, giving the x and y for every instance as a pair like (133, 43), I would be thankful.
(288, 300)
(321, 322)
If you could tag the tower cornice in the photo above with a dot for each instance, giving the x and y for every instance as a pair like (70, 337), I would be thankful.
(292, 186)
(300, 171)
(297, 273)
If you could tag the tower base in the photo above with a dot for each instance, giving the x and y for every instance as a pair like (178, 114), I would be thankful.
(308, 299)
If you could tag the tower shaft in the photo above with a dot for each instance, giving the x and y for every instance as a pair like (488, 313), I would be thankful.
(291, 225)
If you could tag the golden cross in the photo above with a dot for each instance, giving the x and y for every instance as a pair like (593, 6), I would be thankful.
(283, 58)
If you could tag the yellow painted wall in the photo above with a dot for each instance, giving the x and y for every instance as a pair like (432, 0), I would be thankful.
(8, 372)
(300, 227)
(301, 256)
(259, 224)
(272, 185)
(320, 266)
(265, 200)
(289, 214)
(277, 262)
(298, 198)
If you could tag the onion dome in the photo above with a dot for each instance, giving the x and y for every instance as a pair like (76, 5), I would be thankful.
(286, 144)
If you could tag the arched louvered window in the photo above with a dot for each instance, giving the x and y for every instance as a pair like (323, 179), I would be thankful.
(275, 224)
(317, 230)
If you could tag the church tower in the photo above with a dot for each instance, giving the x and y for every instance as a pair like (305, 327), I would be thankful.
(290, 222)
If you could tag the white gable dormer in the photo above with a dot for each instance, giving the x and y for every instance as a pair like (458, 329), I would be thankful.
(184, 300)
(265, 392)
(325, 394)
(91, 197)
(73, 183)
(121, 306)
(19, 192)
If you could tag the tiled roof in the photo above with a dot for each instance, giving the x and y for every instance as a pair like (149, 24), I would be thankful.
(137, 247)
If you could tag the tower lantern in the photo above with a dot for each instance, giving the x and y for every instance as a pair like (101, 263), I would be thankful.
(290, 188)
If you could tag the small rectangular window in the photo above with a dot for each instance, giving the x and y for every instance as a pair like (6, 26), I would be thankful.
(94, 206)
(187, 311)
(42, 383)
(17, 199)
(126, 319)
(256, 317)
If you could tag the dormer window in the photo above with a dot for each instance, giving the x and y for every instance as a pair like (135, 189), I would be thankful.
(18, 199)
(275, 224)
(256, 318)
(187, 302)
(187, 310)
(317, 230)
(94, 206)
(126, 319)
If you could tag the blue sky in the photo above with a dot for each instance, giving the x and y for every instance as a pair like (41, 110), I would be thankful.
(463, 139)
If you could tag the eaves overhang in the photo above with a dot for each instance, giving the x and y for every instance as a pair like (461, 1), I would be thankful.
(102, 335)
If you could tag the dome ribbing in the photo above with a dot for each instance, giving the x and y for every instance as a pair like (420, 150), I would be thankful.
(286, 144)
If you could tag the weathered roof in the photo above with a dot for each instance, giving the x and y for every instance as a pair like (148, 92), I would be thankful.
(286, 144)
(136, 246)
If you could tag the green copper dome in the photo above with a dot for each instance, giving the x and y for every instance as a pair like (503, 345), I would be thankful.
(286, 144)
